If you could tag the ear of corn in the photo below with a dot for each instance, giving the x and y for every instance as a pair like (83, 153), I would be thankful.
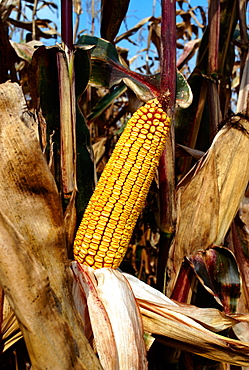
(110, 217)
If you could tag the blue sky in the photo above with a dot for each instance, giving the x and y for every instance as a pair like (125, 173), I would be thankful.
(138, 10)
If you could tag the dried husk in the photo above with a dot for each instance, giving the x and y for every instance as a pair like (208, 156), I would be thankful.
(153, 300)
(114, 316)
(48, 337)
(125, 318)
(99, 319)
(181, 326)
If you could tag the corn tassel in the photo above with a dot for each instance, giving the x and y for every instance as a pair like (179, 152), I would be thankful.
(110, 217)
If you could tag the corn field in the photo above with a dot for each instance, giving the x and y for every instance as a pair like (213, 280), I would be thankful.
(124, 169)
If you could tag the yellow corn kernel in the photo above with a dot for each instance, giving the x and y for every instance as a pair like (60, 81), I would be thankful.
(106, 228)
(100, 253)
(89, 260)
(98, 265)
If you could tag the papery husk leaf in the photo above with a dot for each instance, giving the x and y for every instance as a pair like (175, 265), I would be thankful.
(29, 199)
(124, 315)
(192, 337)
(153, 300)
(209, 196)
(144, 291)
(185, 326)
(100, 320)
(181, 326)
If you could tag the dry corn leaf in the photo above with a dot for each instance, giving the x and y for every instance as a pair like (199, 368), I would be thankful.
(65, 61)
(99, 149)
(47, 334)
(133, 30)
(209, 196)
(10, 330)
(183, 151)
(187, 335)
(244, 88)
(30, 202)
(188, 52)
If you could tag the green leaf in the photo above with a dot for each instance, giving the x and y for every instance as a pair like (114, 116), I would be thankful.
(104, 103)
(184, 96)
(45, 91)
(45, 94)
(84, 163)
(25, 50)
(82, 67)
(104, 50)
(107, 71)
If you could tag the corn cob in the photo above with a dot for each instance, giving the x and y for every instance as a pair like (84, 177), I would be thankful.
(110, 217)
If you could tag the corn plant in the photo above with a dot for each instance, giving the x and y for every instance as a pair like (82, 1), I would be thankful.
(90, 171)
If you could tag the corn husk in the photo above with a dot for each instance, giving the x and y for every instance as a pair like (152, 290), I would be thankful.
(100, 321)
(125, 318)
(181, 326)
(114, 316)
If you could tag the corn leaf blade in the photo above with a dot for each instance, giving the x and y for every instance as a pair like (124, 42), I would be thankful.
(209, 197)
